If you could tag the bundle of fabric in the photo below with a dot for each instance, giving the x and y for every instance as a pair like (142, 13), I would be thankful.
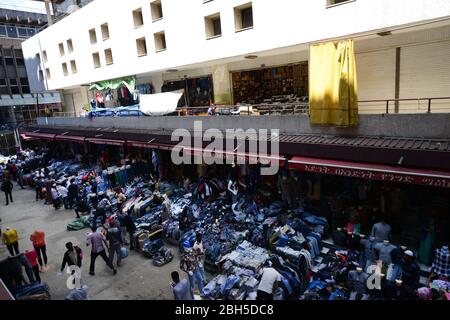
(78, 224)
(162, 256)
(35, 291)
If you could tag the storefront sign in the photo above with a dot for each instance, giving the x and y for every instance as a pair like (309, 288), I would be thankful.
(410, 178)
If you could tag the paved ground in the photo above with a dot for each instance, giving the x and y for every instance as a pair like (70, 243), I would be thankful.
(137, 278)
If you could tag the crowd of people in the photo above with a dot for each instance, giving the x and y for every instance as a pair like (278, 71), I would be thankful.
(217, 222)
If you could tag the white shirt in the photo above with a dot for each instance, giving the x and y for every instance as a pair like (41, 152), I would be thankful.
(62, 191)
(269, 277)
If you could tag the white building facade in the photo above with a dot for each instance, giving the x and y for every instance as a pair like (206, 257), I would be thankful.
(402, 47)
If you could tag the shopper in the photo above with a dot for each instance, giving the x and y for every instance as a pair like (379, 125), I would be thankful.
(127, 225)
(381, 230)
(72, 194)
(72, 257)
(39, 185)
(48, 190)
(441, 263)
(20, 176)
(63, 193)
(7, 188)
(180, 288)
(10, 237)
(96, 239)
(200, 252)
(268, 285)
(56, 197)
(33, 260)
(38, 240)
(410, 272)
(114, 236)
(189, 264)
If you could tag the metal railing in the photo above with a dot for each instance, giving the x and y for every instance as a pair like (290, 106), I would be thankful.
(288, 108)
(396, 102)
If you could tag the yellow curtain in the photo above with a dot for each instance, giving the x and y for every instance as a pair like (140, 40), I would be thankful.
(333, 88)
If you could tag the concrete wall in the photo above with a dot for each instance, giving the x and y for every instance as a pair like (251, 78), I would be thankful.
(277, 24)
(430, 126)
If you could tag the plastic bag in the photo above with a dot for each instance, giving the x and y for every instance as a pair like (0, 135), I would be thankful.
(124, 252)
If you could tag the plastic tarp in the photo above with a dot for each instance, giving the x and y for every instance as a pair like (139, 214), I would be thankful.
(333, 89)
(131, 111)
(160, 104)
(129, 82)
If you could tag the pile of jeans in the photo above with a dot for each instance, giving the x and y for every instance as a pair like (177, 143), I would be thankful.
(35, 291)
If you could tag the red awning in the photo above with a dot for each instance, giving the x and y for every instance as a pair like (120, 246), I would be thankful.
(26, 138)
(37, 135)
(109, 142)
(235, 156)
(372, 171)
(140, 144)
(75, 139)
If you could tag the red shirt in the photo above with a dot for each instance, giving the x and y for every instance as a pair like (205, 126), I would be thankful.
(38, 238)
(32, 257)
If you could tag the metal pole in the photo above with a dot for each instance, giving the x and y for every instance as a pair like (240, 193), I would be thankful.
(429, 105)
(387, 106)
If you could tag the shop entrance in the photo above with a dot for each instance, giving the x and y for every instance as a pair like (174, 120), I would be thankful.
(199, 91)
(270, 84)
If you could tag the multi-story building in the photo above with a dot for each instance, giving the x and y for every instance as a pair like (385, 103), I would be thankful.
(18, 104)
(246, 51)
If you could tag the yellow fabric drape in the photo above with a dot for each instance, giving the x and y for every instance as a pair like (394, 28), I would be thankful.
(333, 88)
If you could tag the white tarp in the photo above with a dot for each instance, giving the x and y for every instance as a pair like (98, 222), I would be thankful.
(159, 104)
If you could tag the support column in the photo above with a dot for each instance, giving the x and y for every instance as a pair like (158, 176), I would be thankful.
(397, 78)
(222, 85)
(157, 82)
(49, 12)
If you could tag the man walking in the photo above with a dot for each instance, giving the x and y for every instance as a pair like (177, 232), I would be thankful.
(114, 237)
(7, 187)
(96, 239)
(72, 193)
(180, 288)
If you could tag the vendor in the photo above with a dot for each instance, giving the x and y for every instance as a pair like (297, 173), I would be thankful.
(269, 283)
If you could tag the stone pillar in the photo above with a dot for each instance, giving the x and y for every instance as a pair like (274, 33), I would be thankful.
(222, 85)
(48, 9)
(157, 82)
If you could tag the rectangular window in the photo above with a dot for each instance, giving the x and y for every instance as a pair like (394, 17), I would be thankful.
(157, 12)
(2, 82)
(141, 46)
(160, 41)
(243, 17)
(138, 18)
(70, 45)
(18, 53)
(213, 26)
(20, 61)
(22, 32)
(65, 69)
(25, 89)
(31, 32)
(15, 90)
(47, 72)
(12, 32)
(105, 31)
(2, 30)
(93, 36)
(13, 82)
(61, 49)
(9, 61)
(44, 55)
(109, 57)
(96, 60)
(335, 2)
(24, 81)
(41, 75)
(73, 66)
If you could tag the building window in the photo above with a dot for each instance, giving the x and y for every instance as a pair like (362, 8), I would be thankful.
(22, 32)
(109, 57)
(93, 36)
(73, 66)
(64, 68)
(18, 53)
(160, 41)
(9, 61)
(70, 45)
(47, 71)
(3, 82)
(141, 46)
(15, 90)
(138, 18)
(96, 60)
(20, 61)
(213, 26)
(25, 89)
(13, 82)
(243, 16)
(335, 2)
(2, 30)
(105, 31)
(38, 58)
(44, 55)
(157, 13)
(61, 49)
(24, 81)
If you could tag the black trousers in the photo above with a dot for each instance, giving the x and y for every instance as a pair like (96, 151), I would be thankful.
(36, 273)
(102, 254)
(42, 254)
(8, 193)
(263, 296)
(13, 247)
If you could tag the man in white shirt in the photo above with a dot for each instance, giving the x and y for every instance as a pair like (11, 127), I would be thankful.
(268, 284)
(63, 194)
